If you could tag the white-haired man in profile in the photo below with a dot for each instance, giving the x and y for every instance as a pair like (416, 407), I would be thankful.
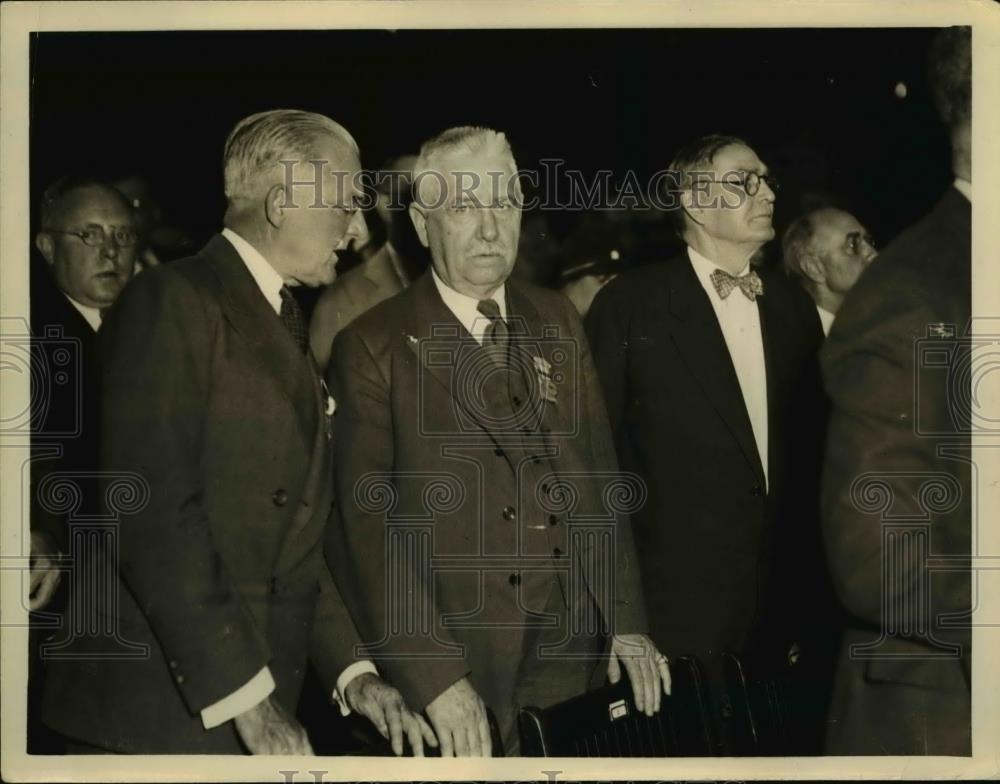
(827, 250)
(474, 381)
(211, 397)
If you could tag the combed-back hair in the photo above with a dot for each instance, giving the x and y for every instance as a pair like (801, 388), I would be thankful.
(259, 142)
(469, 138)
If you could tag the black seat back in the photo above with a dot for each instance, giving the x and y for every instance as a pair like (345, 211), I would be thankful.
(606, 723)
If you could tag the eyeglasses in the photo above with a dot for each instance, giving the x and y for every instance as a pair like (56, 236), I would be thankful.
(94, 236)
(748, 181)
(854, 241)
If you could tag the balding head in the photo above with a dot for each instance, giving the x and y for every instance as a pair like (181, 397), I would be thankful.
(87, 238)
(827, 250)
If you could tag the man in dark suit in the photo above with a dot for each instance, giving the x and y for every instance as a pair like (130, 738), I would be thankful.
(391, 269)
(88, 243)
(897, 482)
(473, 454)
(708, 368)
(216, 425)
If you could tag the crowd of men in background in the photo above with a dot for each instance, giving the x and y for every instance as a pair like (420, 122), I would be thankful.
(286, 429)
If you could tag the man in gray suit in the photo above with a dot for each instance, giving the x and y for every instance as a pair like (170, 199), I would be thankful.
(472, 440)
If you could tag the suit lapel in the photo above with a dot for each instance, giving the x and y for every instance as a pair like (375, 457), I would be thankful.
(698, 337)
(434, 322)
(527, 330)
(252, 317)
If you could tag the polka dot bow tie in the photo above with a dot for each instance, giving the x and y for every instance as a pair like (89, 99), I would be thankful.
(750, 284)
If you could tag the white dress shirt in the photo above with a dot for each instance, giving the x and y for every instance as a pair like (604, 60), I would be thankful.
(91, 315)
(466, 309)
(826, 319)
(262, 684)
(964, 187)
(739, 320)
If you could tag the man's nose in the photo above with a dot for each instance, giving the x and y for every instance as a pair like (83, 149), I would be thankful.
(868, 251)
(765, 193)
(488, 226)
(110, 247)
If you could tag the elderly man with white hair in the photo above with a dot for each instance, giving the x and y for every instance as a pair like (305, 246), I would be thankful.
(474, 467)
(215, 413)
(827, 250)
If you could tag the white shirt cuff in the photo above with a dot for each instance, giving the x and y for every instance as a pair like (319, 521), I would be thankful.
(256, 690)
(349, 674)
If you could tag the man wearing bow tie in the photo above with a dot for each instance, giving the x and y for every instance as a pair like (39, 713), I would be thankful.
(472, 438)
(213, 407)
(708, 370)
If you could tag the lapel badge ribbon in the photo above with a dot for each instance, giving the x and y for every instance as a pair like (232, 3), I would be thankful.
(546, 386)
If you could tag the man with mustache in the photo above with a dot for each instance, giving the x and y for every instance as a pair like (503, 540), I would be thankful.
(708, 369)
(471, 435)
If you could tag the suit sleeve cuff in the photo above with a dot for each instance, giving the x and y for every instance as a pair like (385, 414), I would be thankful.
(256, 690)
(349, 674)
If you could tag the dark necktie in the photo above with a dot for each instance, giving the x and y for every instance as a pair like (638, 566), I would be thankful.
(495, 338)
(294, 319)
(496, 331)
(750, 284)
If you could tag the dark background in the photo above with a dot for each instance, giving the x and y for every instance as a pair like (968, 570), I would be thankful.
(817, 104)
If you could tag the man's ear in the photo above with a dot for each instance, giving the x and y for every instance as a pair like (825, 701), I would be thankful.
(419, 223)
(46, 246)
(813, 268)
(275, 204)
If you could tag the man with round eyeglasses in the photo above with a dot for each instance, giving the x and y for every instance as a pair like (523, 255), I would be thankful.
(88, 239)
(87, 243)
(709, 373)
(827, 250)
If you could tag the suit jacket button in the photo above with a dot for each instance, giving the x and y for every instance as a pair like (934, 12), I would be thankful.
(179, 679)
(280, 497)
(514, 579)
(173, 664)
(509, 513)
(756, 490)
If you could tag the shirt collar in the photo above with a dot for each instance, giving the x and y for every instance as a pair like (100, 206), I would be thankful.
(267, 278)
(465, 307)
(964, 187)
(704, 267)
(825, 318)
(91, 315)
